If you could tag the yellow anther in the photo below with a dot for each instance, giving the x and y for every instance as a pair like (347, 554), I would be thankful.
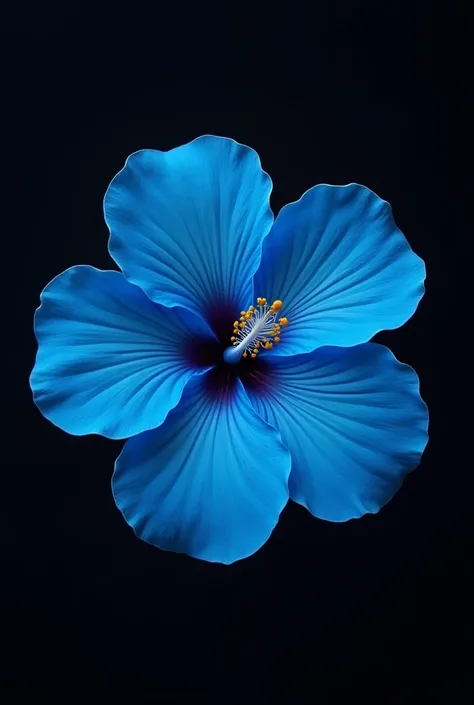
(245, 354)
(276, 339)
(235, 331)
(268, 346)
(236, 323)
(255, 350)
(277, 305)
(284, 321)
(242, 325)
(232, 339)
(248, 315)
(253, 355)
(242, 313)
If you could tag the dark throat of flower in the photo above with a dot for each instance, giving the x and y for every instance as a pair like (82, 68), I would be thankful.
(254, 334)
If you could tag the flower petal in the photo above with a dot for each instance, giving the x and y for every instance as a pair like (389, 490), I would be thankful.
(110, 361)
(353, 421)
(210, 482)
(342, 268)
(187, 225)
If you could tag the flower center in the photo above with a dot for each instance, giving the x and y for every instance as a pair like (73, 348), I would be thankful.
(257, 329)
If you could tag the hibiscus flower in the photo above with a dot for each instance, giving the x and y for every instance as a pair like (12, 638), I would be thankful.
(231, 350)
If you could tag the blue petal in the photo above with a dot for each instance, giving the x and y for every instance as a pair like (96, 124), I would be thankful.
(210, 482)
(110, 361)
(353, 421)
(342, 268)
(187, 225)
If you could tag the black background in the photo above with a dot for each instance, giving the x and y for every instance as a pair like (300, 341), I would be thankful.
(335, 93)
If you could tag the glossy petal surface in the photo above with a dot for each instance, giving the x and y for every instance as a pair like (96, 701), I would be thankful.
(110, 361)
(187, 225)
(210, 482)
(341, 266)
(353, 421)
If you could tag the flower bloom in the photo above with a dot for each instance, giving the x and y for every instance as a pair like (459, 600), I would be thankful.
(231, 350)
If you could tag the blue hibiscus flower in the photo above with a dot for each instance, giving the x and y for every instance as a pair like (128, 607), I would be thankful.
(232, 351)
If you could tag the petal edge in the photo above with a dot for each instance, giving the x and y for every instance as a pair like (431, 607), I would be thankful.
(187, 225)
(341, 265)
(109, 360)
(354, 422)
(197, 485)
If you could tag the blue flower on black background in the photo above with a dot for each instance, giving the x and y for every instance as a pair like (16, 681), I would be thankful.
(232, 350)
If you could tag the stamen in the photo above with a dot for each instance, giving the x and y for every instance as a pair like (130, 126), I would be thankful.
(257, 329)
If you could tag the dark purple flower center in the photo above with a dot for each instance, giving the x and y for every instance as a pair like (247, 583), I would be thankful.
(251, 370)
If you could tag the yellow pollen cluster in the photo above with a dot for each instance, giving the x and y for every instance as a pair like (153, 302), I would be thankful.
(258, 328)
